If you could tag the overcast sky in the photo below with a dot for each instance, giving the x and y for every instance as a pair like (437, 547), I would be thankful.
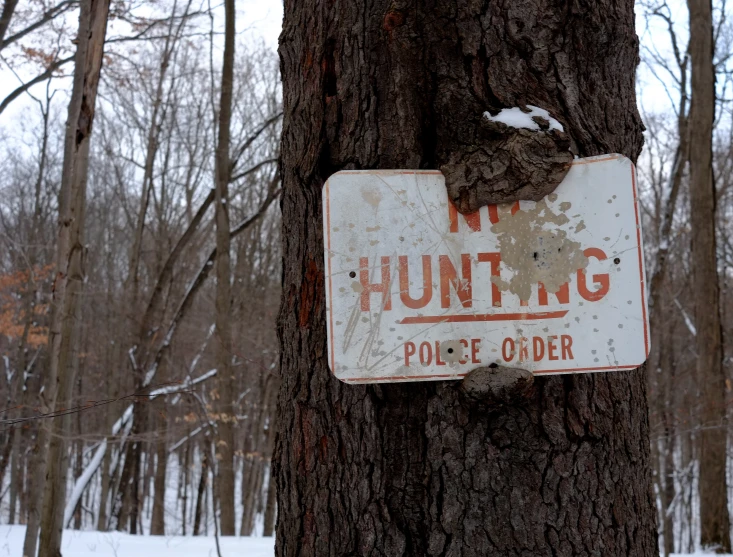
(263, 18)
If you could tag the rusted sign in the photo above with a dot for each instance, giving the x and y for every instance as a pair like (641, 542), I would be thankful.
(416, 291)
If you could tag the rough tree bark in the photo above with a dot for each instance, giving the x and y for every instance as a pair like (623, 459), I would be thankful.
(224, 377)
(69, 281)
(418, 469)
(714, 519)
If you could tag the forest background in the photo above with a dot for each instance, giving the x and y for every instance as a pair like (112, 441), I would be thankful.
(142, 450)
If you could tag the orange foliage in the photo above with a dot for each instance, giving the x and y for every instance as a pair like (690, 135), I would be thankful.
(13, 288)
(45, 58)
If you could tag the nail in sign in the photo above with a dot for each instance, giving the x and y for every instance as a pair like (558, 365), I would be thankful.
(417, 291)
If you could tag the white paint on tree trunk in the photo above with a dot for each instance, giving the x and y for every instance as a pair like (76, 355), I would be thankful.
(416, 291)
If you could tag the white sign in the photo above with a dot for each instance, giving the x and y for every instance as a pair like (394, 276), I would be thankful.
(416, 291)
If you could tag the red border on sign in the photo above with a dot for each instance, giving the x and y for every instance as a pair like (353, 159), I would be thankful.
(641, 261)
(330, 284)
(403, 378)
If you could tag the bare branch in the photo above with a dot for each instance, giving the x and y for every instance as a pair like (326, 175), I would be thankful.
(38, 79)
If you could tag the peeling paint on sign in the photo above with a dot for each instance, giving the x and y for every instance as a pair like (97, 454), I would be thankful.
(417, 291)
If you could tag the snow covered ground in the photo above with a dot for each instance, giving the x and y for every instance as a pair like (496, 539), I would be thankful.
(115, 544)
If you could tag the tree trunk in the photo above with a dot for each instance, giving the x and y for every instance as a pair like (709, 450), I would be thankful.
(714, 519)
(272, 427)
(251, 494)
(270, 506)
(224, 378)
(133, 500)
(148, 477)
(66, 305)
(104, 485)
(415, 469)
(186, 473)
(79, 457)
(78, 469)
(37, 470)
(157, 525)
(201, 492)
(257, 449)
(669, 435)
(11, 451)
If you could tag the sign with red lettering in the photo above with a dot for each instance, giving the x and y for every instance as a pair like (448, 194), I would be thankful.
(417, 291)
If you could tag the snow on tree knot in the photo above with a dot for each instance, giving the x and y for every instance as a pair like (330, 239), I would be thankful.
(513, 154)
(530, 118)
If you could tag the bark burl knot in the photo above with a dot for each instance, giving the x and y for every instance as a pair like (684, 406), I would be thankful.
(503, 164)
(497, 385)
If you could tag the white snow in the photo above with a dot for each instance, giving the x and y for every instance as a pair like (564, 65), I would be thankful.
(83, 481)
(177, 387)
(79, 543)
(126, 415)
(515, 118)
(115, 544)
(690, 326)
(8, 373)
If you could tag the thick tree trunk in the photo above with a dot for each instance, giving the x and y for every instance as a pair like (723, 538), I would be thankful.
(415, 469)
(714, 519)
(70, 275)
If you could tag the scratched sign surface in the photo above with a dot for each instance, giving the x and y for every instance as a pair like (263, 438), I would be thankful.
(416, 291)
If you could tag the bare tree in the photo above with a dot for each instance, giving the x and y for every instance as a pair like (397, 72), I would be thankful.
(715, 522)
(225, 379)
(70, 265)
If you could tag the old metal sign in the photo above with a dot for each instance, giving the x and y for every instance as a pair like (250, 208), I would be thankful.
(416, 291)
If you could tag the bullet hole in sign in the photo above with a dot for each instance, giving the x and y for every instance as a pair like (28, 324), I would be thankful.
(352, 274)
(617, 260)
(450, 351)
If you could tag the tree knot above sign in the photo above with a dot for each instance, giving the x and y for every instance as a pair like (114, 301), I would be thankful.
(416, 290)
(514, 154)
